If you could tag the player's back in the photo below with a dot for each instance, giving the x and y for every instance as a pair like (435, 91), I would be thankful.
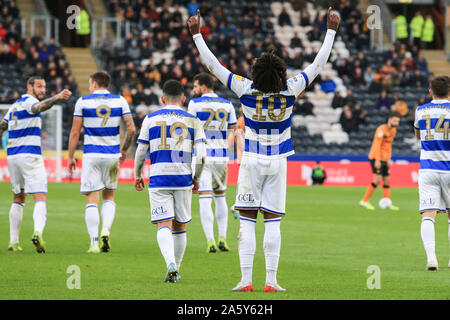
(102, 113)
(267, 116)
(171, 134)
(24, 128)
(216, 114)
(433, 119)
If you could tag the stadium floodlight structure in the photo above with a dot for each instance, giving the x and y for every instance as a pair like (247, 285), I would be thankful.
(51, 134)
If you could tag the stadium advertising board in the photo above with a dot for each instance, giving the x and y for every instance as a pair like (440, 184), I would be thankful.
(339, 173)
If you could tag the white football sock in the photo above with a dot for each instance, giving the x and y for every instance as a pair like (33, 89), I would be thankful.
(206, 216)
(92, 221)
(272, 245)
(428, 238)
(40, 216)
(15, 220)
(221, 214)
(166, 245)
(247, 248)
(179, 244)
(108, 213)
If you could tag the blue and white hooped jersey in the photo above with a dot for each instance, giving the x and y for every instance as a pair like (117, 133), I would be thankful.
(171, 134)
(433, 119)
(216, 114)
(101, 113)
(267, 116)
(24, 128)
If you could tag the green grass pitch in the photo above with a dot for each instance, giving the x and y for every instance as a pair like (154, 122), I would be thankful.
(328, 243)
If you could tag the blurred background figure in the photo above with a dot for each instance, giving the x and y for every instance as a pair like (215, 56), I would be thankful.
(318, 175)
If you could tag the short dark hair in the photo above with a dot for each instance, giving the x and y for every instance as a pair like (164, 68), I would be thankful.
(269, 73)
(394, 114)
(32, 79)
(173, 89)
(102, 78)
(204, 79)
(440, 86)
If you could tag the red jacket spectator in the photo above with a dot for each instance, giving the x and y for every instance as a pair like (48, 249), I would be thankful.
(3, 32)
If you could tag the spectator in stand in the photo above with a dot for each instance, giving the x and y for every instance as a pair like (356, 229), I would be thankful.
(388, 69)
(305, 109)
(399, 106)
(419, 80)
(305, 18)
(314, 34)
(338, 100)
(328, 85)
(249, 9)
(284, 18)
(126, 93)
(358, 78)
(343, 68)
(321, 22)
(347, 121)
(404, 77)
(350, 100)
(134, 52)
(192, 7)
(296, 42)
(421, 64)
(138, 95)
(383, 101)
(153, 98)
(369, 76)
(359, 115)
(3, 32)
(409, 62)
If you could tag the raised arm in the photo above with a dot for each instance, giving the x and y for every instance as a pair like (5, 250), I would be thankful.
(206, 56)
(46, 104)
(322, 56)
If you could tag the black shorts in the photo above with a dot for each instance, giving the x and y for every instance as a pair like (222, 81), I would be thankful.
(384, 169)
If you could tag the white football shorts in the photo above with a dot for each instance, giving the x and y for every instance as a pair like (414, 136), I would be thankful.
(214, 177)
(262, 185)
(170, 204)
(27, 173)
(434, 191)
(98, 174)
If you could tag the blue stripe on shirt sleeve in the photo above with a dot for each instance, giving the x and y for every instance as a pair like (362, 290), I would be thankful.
(143, 141)
(230, 77)
(306, 78)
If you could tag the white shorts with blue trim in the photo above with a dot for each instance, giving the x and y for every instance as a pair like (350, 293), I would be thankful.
(262, 185)
(98, 174)
(214, 177)
(27, 173)
(170, 204)
(434, 190)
